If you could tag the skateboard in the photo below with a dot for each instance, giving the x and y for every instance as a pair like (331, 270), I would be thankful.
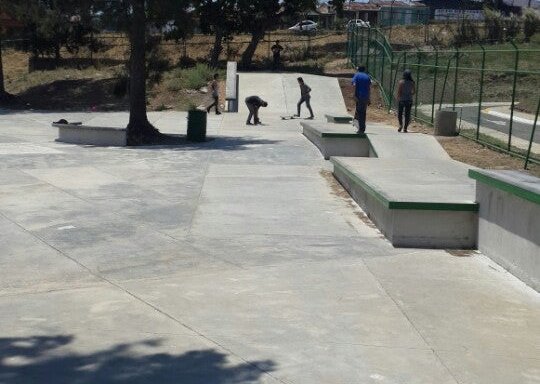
(289, 117)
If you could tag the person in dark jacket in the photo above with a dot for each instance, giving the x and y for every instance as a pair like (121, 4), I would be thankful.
(305, 97)
(254, 103)
(406, 90)
(214, 89)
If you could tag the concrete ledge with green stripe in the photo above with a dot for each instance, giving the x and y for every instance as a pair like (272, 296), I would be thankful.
(509, 221)
(414, 202)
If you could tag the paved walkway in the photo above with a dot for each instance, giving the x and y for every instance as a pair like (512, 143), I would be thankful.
(235, 261)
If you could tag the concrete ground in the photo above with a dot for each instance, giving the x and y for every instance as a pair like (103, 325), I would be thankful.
(239, 260)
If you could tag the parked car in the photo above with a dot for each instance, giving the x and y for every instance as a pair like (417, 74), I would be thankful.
(357, 23)
(304, 26)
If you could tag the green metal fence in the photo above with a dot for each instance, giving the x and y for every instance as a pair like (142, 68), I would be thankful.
(496, 91)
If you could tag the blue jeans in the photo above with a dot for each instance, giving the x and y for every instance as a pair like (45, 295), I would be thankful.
(360, 115)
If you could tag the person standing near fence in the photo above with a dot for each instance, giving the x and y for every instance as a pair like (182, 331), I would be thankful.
(406, 90)
(214, 89)
(276, 54)
(305, 97)
(362, 93)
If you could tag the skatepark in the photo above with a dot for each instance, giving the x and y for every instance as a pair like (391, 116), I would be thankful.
(251, 259)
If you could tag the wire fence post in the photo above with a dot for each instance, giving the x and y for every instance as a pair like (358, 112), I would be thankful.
(368, 43)
(480, 95)
(532, 135)
(516, 66)
(434, 85)
(455, 80)
(418, 66)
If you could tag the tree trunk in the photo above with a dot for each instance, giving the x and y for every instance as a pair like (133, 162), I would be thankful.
(216, 50)
(247, 56)
(2, 87)
(139, 130)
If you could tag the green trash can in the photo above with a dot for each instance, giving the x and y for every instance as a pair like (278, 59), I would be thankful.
(196, 130)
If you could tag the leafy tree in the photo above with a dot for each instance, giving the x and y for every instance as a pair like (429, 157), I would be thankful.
(531, 24)
(259, 16)
(136, 17)
(338, 6)
(220, 18)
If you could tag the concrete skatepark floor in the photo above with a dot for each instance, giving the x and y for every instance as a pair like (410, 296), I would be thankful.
(234, 261)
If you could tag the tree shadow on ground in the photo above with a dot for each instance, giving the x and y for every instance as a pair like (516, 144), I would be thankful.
(50, 360)
(76, 95)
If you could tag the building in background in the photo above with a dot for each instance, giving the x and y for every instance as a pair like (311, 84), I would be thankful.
(387, 12)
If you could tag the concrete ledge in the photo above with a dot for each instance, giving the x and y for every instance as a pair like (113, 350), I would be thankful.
(343, 119)
(86, 135)
(335, 140)
(425, 220)
(231, 86)
(509, 221)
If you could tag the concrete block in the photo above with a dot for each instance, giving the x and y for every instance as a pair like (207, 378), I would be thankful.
(336, 140)
(411, 214)
(86, 135)
(509, 221)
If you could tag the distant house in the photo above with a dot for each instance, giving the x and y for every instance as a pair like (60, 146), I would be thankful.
(324, 15)
(386, 12)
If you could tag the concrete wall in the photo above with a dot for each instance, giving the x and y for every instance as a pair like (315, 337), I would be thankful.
(338, 146)
(509, 232)
(84, 135)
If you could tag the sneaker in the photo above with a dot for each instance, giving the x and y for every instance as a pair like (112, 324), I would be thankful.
(400, 128)
(248, 123)
(311, 118)
(218, 113)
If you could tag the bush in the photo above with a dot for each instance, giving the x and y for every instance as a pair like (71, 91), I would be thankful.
(494, 25)
(531, 24)
(198, 76)
(466, 33)
(512, 27)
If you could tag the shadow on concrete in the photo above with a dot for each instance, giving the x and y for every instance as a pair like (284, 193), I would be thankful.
(73, 95)
(219, 143)
(49, 359)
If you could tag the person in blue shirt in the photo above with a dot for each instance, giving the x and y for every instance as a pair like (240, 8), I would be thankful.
(362, 90)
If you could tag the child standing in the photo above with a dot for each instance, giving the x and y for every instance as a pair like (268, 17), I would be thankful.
(214, 89)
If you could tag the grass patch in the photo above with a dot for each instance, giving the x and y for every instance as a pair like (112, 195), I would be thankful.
(189, 78)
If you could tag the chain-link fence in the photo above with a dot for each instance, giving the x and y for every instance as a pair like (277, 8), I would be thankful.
(494, 90)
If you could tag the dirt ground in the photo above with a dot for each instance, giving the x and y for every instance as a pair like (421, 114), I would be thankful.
(459, 148)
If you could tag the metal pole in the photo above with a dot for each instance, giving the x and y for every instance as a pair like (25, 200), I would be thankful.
(455, 80)
(434, 84)
(444, 83)
(532, 134)
(418, 61)
(482, 71)
(516, 64)
(368, 42)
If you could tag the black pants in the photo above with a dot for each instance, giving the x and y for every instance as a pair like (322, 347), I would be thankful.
(360, 115)
(306, 100)
(404, 107)
(214, 104)
(253, 113)
(276, 62)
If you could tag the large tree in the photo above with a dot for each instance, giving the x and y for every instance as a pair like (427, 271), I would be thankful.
(259, 16)
(136, 17)
(219, 18)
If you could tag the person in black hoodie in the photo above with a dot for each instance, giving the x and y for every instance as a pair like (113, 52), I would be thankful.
(254, 103)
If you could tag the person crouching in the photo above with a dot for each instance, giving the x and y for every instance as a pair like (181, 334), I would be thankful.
(254, 103)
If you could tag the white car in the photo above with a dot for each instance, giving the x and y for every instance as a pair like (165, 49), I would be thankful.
(357, 23)
(304, 26)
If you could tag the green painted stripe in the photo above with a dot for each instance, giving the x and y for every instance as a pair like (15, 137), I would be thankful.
(505, 186)
(410, 205)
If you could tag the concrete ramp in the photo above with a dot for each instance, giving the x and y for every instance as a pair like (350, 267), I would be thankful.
(282, 93)
(389, 144)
